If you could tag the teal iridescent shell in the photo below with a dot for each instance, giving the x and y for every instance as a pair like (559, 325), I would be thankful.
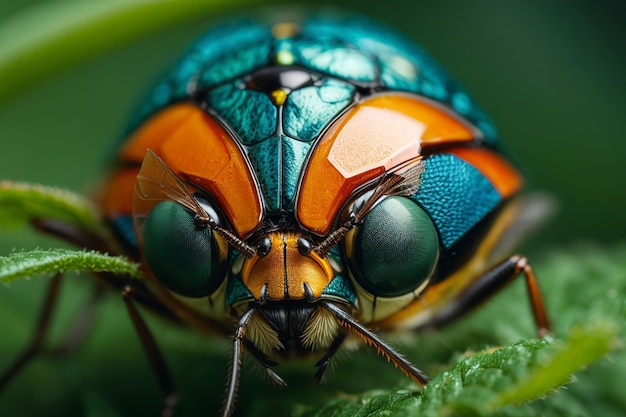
(347, 54)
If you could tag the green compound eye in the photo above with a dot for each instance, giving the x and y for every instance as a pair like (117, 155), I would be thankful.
(187, 260)
(394, 250)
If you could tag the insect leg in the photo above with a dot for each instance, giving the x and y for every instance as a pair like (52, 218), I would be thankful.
(235, 371)
(72, 233)
(43, 325)
(154, 355)
(81, 325)
(488, 285)
(322, 364)
(265, 362)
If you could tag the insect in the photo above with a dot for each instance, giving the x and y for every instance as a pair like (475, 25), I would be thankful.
(296, 184)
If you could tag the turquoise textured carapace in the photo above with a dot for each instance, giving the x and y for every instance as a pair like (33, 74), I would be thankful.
(401, 64)
(340, 287)
(123, 226)
(236, 291)
(309, 109)
(279, 161)
(244, 38)
(455, 195)
(249, 113)
(345, 55)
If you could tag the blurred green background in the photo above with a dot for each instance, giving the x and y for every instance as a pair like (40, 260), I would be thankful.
(550, 73)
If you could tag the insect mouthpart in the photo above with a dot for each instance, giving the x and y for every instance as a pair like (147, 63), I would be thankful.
(301, 327)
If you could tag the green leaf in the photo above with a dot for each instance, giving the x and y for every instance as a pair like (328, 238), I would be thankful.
(52, 37)
(486, 383)
(583, 347)
(20, 202)
(38, 262)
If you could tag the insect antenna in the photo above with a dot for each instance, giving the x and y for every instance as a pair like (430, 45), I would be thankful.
(234, 240)
(404, 180)
(371, 339)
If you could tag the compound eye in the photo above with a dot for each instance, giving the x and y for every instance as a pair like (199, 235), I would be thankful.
(394, 250)
(188, 260)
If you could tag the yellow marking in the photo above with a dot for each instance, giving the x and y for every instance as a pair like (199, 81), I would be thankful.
(285, 57)
(402, 66)
(279, 96)
(285, 30)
